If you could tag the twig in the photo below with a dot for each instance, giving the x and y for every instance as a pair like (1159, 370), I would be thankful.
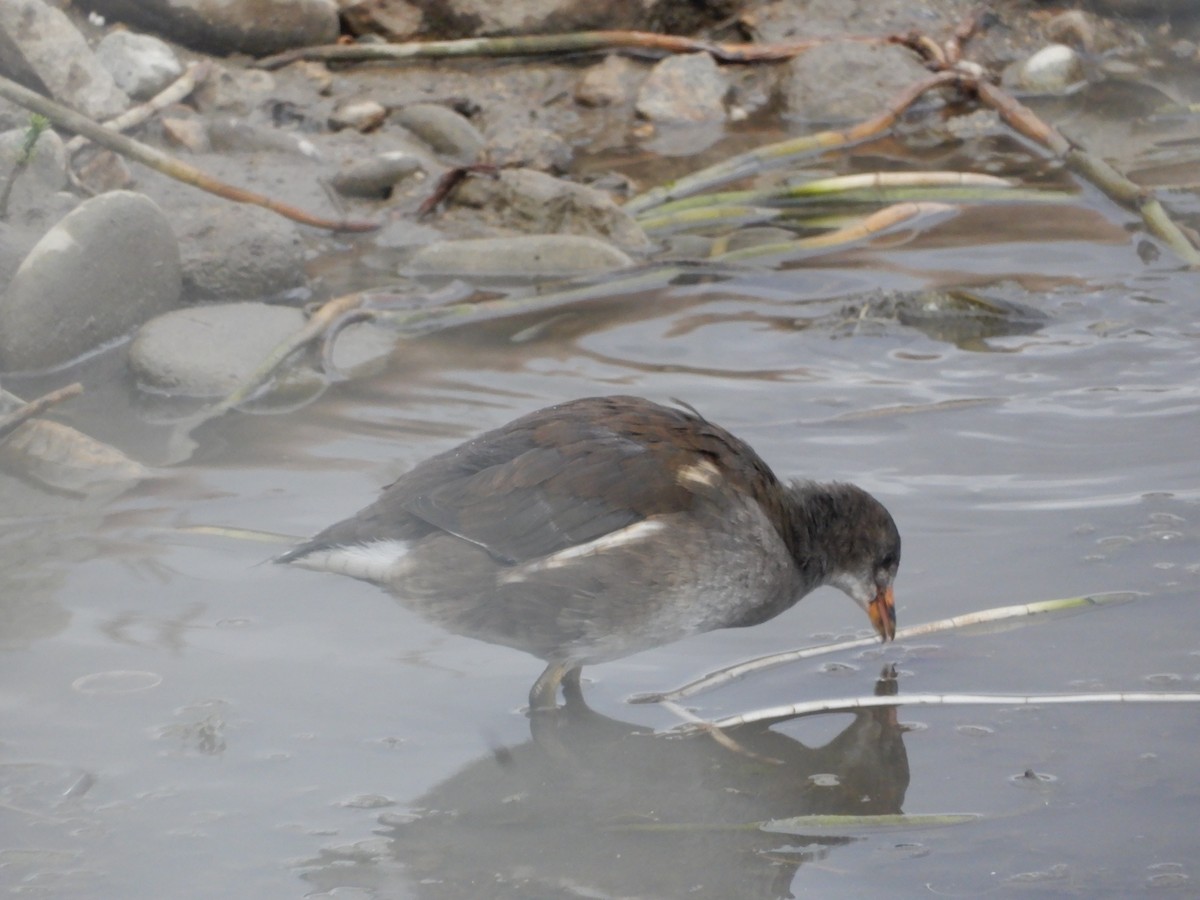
(538, 44)
(732, 673)
(1114, 184)
(718, 735)
(759, 158)
(449, 181)
(162, 162)
(193, 75)
(328, 313)
(850, 704)
(37, 125)
(865, 185)
(888, 218)
(18, 417)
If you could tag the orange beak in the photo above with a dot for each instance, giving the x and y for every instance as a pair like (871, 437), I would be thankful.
(882, 611)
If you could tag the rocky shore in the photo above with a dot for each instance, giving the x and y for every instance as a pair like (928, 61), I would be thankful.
(533, 154)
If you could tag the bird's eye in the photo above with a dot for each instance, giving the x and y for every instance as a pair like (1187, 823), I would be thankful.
(888, 561)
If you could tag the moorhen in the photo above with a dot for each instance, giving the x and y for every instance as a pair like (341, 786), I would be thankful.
(593, 529)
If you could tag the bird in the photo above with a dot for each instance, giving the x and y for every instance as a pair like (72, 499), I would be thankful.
(603, 526)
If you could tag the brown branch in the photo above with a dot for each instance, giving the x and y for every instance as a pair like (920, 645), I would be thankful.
(21, 415)
(329, 313)
(448, 182)
(1115, 185)
(538, 44)
(772, 154)
(162, 162)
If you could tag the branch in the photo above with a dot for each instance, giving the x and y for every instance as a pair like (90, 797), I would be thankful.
(18, 417)
(1115, 185)
(752, 161)
(162, 162)
(854, 703)
(996, 614)
(195, 74)
(539, 44)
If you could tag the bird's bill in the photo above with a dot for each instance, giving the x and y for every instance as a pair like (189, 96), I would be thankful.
(882, 611)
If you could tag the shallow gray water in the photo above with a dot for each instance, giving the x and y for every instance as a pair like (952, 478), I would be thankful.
(182, 721)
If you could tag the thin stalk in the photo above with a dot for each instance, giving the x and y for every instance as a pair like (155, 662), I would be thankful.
(850, 704)
(759, 158)
(997, 614)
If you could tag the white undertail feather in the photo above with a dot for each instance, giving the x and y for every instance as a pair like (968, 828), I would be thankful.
(370, 561)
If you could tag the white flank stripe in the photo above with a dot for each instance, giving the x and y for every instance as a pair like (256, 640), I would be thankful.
(374, 561)
(631, 534)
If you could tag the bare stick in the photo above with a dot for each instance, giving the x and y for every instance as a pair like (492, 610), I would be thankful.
(193, 75)
(850, 704)
(759, 158)
(18, 417)
(1097, 171)
(718, 735)
(313, 329)
(732, 673)
(538, 44)
(168, 165)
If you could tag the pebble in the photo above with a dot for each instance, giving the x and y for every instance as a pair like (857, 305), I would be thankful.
(374, 178)
(1055, 69)
(449, 134)
(688, 89)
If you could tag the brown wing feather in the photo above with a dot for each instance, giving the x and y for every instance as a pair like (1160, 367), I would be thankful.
(555, 478)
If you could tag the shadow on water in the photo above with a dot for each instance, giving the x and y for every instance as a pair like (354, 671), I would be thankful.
(594, 806)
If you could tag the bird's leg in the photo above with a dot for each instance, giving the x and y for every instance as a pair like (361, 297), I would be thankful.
(544, 693)
(572, 690)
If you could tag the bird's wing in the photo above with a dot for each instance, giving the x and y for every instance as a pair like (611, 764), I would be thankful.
(527, 494)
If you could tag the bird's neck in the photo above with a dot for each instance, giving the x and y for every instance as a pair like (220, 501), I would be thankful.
(812, 524)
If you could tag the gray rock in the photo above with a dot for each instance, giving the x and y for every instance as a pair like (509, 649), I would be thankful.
(38, 43)
(45, 171)
(460, 18)
(238, 252)
(235, 135)
(445, 131)
(222, 27)
(234, 91)
(109, 265)
(538, 203)
(207, 351)
(140, 64)
(374, 178)
(609, 83)
(840, 81)
(529, 145)
(533, 256)
(684, 90)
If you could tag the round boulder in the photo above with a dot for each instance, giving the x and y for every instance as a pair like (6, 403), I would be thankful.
(109, 265)
(207, 351)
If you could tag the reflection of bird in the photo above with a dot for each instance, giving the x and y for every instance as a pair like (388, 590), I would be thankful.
(600, 527)
(595, 807)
